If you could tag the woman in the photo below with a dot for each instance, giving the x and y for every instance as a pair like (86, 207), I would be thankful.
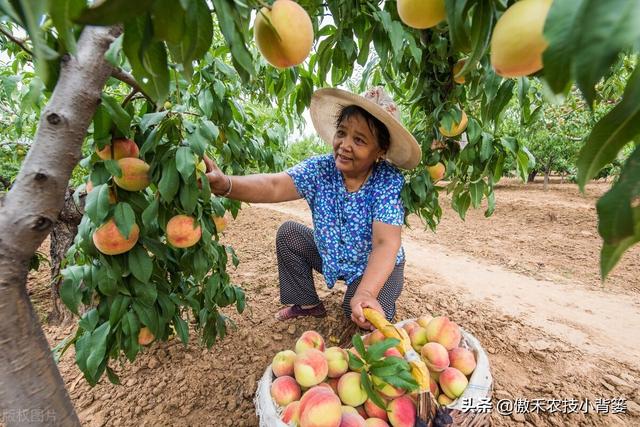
(354, 196)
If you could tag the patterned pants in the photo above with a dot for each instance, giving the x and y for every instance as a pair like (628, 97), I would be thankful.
(298, 255)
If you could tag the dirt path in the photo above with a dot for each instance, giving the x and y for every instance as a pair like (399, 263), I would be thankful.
(596, 321)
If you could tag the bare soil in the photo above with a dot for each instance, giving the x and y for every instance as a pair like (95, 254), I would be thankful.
(525, 282)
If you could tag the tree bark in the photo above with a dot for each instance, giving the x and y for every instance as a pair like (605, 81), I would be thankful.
(532, 175)
(547, 172)
(31, 388)
(62, 235)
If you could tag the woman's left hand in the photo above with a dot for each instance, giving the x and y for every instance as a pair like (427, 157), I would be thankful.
(359, 301)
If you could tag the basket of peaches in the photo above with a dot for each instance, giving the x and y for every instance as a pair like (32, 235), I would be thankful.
(370, 384)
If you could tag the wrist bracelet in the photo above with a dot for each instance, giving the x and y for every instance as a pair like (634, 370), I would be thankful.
(230, 187)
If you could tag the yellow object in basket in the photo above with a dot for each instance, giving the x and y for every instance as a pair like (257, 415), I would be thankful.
(419, 370)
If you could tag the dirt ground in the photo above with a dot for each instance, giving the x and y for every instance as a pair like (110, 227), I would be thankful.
(525, 282)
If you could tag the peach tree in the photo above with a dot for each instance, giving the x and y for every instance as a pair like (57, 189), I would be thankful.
(183, 78)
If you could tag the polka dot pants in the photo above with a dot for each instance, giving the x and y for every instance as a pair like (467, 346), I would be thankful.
(298, 255)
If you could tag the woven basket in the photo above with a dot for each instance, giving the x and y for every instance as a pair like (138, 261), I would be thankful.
(480, 387)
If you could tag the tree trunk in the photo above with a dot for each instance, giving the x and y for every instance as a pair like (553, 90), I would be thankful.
(62, 235)
(547, 172)
(31, 387)
(532, 175)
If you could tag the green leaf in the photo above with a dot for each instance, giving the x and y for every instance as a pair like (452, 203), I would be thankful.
(611, 253)
(168, 18)
(114, 54)
(112, 12)
(97, 204)
(606, 29)
(491, 199)
(151, 119)
(355, 363)
(611, 133)
(102, 127)
(140, 264)
(113, 377)
(376, 350)
(113, 167)
(561, 29)
(205, 102)
(181, 328)
(98, 348)
(371, 393)
(480, 34)
(131, 327)
(240, 299)
(170, 181)
(62, 12)
(617, 216)
(120, 117)
(358, 344)
(456, 17)
(150, 214)
(119, 307)
(89, 320)
(185, 162)
(476, 190)
(124, 218)
(227, 15)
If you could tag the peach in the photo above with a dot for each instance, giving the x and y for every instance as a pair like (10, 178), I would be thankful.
(434, 375)
(310, 367)
(392, 352)
(436, 172)
(424, 320)
(282, 363)
(309, 339)
(456, 128)
(290, 415)
(375, 422)
(346, 409)
(435, 356)
(374, 410)
(333, 383)
(361, 411)
(284, 33)
(386, 389)
(456, 69)
(375, 336)
(220, 222)
(433, 387)
(350, 419)
(518, 41)
(338, 361)
(453, 382)
(121, 148)
(319, 407)
(112, 196)
(421, 14)
(145, 336)
(410, 326)
(402, 412)
(444, 400)
(327, 386)
(108, 239)
(135, 174)
(463, 360)
(285, 390)
(444, 331)
(350, 389)
(183, 231)
(418, 337)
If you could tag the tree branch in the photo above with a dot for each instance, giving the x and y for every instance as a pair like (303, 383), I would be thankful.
(124, 77)
(19, 42)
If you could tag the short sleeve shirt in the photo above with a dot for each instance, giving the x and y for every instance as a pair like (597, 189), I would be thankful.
(343, 221)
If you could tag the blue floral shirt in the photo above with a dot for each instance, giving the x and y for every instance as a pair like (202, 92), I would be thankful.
(343, 221)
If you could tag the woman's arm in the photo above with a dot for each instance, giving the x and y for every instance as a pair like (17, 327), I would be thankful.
(382, 260)
(257, 188)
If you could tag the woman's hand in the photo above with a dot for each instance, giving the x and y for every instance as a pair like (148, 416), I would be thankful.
(360, 300)
(217, 180)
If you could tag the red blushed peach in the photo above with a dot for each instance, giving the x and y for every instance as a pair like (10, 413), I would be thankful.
(325, 385)
(444, 331)
(135, 174)
(350, 389)
(444, 400)
(183, 231)
(418, 337)
(453, 382)
(290, 415)
(320, 407)
(282, 363)
(433, 387)
(333, 383)
(338, 360)
(346, 409)
(387, 390)
(108, 239)
(435, 356)
(374, 410)
(121, 148)
(424, 320)
(375, 336)
(351, 420)
(410, 326)
(309, 339)
(375, 422)
(392, 352)
(310, 367)
(463, 360)
(361, 411)
(285, 390)
(402, 412)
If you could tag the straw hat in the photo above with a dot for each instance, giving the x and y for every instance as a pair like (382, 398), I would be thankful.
(403, 151)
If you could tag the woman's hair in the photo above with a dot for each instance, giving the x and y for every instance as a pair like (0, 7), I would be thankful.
(377, 128)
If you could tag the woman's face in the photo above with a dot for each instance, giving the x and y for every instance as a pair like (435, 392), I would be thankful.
(355, 147)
